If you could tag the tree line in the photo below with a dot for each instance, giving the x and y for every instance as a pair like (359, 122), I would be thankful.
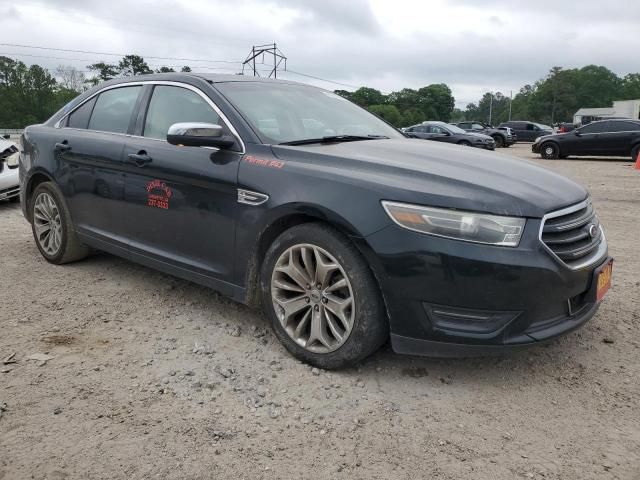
(31, 94)
(556, 97)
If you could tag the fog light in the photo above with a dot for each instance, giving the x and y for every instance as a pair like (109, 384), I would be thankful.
(468, 322)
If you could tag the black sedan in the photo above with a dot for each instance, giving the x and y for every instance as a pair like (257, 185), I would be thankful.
(291, 198)
(444, 132)
(598, 139)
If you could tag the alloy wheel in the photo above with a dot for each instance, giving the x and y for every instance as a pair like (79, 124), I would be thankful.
(313, 298)
(47, 223)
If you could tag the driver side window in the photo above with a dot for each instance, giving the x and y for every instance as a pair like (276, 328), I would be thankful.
(171, 105)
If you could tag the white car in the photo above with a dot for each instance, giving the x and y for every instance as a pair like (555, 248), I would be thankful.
(9, 180)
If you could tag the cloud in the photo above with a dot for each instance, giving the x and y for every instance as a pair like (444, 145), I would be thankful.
(385, 44)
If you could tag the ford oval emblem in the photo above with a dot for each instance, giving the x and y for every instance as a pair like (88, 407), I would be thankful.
(594, 231)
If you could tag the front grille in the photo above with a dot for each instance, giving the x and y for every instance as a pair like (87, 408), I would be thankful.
(574, 235)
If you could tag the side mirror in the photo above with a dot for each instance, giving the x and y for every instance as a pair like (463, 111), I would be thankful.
(194, 134)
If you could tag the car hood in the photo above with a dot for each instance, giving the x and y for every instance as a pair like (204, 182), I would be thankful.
(431, 173)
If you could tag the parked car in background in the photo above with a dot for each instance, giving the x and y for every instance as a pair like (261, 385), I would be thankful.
(602, 138)
(510, 131)
(502, 138)
(9, 177)
(528, 131)
(292, 198)
(445, 132)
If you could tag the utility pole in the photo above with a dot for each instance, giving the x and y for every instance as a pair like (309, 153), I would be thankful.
(270, 49)
(490, 107)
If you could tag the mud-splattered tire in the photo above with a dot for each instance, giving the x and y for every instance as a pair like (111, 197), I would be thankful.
(321, 297)
(53, 230)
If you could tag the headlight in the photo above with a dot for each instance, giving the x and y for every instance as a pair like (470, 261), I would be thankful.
(13, 160)
(456, 224)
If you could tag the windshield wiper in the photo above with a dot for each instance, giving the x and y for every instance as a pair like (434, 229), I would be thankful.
(334, 139)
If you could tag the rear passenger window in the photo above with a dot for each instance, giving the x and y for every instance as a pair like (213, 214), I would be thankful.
(171, 105)
(113, 110)
(80, 117)
(622, 127)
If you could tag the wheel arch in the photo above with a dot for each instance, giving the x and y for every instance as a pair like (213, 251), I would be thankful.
(284, 222)
(35, 179)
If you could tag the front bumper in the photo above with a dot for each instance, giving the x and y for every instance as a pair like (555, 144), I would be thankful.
(535, 147)
(451, 298)
(9, 182)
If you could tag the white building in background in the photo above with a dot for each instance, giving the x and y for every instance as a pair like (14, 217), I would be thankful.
(620, 109)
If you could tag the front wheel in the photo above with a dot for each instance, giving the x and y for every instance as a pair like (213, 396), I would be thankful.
(321, 297)
(635, 153)
(52, 227)
(464, 143)
(499, 141)
(549, 151)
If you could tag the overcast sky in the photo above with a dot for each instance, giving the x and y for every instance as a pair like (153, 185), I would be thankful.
(473, 46)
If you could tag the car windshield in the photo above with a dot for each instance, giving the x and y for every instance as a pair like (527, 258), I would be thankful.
(543, 127)
(455, 129)
(284, 113)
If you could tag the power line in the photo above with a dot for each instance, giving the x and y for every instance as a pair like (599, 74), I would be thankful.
(89, 52)
(117, 54)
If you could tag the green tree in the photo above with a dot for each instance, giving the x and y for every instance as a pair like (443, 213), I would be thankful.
(28, 94)
(165, 70)
(103, 72)
(131, 65)
(366, 96)
(185, 69)
(389, 112)
(439, 97)
(630, 87)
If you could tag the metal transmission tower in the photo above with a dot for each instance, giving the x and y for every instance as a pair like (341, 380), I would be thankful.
(270, 50)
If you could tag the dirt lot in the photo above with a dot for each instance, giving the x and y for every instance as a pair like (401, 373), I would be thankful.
(154, 377)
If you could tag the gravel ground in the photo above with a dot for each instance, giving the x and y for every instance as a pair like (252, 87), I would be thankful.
(149, 376)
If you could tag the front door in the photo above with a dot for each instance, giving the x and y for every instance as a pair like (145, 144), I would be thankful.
(181, 201)
(588, 140)
(89, 149)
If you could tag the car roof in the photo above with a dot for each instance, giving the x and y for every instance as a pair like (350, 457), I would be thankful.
(209, 77)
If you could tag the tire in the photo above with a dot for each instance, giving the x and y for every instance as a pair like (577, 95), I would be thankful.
(47, 207)
(362, 327)
(635, 152)
(499, 139)
(549, 151)
(464, 143)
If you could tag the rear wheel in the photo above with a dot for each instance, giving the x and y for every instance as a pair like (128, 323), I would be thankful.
(499, 141)
(549, 151)
(322, 299)
(52, 228)
(635, 152)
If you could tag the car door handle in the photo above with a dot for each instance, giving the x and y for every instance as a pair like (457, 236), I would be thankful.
(62, 147)
(140, 159)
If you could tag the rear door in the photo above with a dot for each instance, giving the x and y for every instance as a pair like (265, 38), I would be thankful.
(89, 150)
(181, 201)
(619, 136)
